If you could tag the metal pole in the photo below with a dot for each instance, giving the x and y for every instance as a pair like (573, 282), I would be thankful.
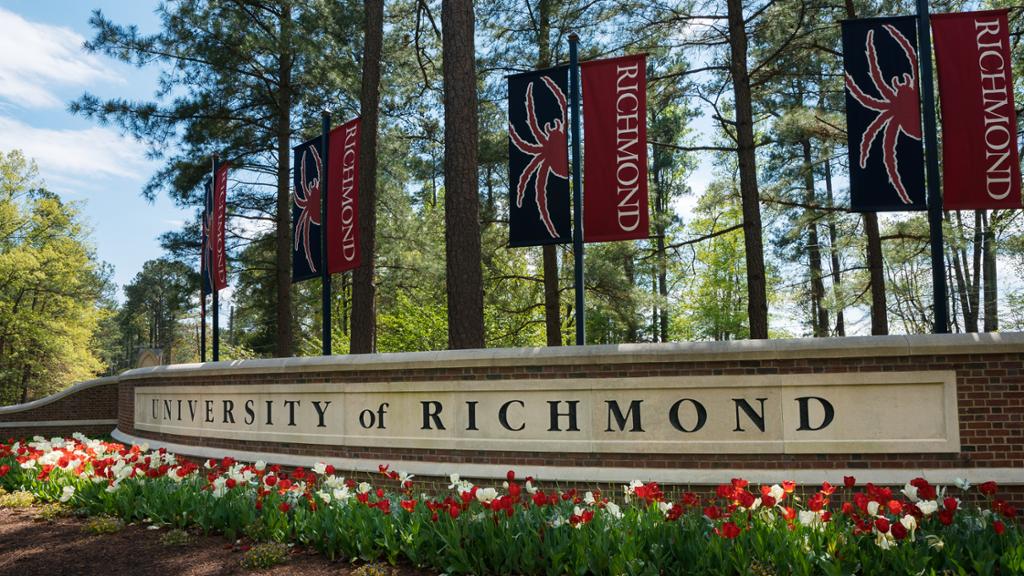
(577, 187)
(213, 275)
(939, 294)
(325, 275)
(202, 315)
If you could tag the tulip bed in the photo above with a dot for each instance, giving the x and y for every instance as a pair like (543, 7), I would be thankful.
(521, 528)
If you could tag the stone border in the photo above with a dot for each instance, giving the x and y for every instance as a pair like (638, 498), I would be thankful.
(601, 475)
(798, 348)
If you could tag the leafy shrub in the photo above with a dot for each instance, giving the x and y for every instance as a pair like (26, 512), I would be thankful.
(266, 555)
(52, 511)
(104, 525)
(374, 569)
(176, 537)
(18, 499)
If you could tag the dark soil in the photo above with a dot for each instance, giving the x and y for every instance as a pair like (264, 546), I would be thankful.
(30, 546)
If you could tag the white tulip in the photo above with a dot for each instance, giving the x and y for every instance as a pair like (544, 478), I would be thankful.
(486, 495)
(910, 492)
(928, 507)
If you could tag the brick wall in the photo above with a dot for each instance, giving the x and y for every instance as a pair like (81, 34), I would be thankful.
(990, 391)
(88, 407)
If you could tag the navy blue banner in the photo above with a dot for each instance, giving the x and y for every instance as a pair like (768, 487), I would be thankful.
(309, 167)
(883, 114)
(206, 256)
(538, 157)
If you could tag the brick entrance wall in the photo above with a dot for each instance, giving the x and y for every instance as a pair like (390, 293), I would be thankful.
(989, 378)
(989, 372)
(88, 407)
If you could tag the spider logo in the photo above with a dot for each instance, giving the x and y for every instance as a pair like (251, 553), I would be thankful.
(309, 203)
(899, 108)
(549, 152)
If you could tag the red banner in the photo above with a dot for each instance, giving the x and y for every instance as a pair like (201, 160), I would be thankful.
(343, 198)
(615, 130)
(980, 166)
(220, 201)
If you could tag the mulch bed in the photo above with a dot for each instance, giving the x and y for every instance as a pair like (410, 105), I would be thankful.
(30, 546)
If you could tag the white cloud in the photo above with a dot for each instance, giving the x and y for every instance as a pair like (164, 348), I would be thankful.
(36, 59)
(75, 158)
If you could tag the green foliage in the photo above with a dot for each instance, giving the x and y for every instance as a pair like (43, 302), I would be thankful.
(374, 569)
(51, 288)
(104, 525)
(17, 499)
(156, 301)
(52, 511)
(715, 305)
(176, 538)
(266, 555)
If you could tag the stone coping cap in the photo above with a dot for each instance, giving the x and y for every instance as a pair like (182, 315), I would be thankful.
(788, 349)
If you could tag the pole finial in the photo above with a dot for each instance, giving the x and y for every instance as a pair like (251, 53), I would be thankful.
(574, 37)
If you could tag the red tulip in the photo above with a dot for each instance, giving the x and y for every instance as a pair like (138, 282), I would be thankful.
(730, 530)
(882, 525)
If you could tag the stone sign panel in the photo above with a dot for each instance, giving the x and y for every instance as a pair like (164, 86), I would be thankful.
(806, 413)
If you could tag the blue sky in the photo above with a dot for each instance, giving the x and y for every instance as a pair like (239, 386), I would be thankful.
(42, 68)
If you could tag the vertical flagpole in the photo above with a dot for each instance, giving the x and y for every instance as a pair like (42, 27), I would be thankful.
(202, 313)
(940, 304)
(213, 272)
(577, 187)
(325, 275)
(203, 266)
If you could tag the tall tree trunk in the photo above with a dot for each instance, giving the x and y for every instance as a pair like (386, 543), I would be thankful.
(961, 279)
(978, 246)
(660, 252)
(991, 279)
(552, 306)
(967, 280)
(632, 326)
(364, 289)
(820, 311)
(837, 273)
(757, 298)
(346, 285)
(26, 376)
(284, 346)
(552, 303)
(879, 313)
(662, 281)
(461, 201)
